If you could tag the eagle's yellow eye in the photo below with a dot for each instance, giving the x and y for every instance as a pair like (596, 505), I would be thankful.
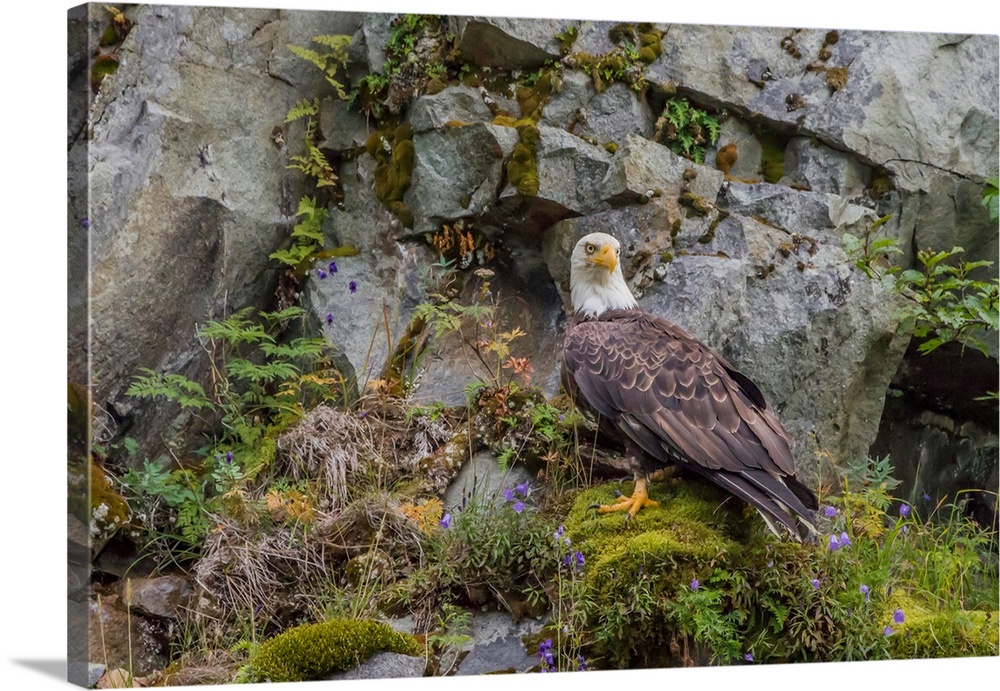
(590, 249)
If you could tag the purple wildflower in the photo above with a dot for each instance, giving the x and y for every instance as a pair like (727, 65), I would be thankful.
(695, 584)
(579, 559)
(845, 541)
(904, 510)
(508, 494)
(329, 318)
(353, 286)
(834, 543)
(321, 273)
(559, 532)
(518, 506)
(887, 631)
(446, 521)
(864, 591)
(829, 512)
(229, 457)
(748, 657)
(523, 488)
(85, 222)
(582, 664)
(927, 497)
(333, 267)
(815, 583)
(897, 617)
(545, 655)
(770, 563)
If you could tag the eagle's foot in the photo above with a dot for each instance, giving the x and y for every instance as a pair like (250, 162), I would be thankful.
(638, 500)
(663, 474)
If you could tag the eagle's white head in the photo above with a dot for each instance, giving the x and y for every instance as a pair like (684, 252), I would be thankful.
(595, 276)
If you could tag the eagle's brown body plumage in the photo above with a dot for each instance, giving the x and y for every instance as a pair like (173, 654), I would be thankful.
(668, 398)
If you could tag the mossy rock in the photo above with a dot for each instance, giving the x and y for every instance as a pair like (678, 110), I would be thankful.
(313, 651)
(635, 569)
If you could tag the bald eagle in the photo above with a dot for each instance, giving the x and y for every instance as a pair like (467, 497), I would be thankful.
(667, 398)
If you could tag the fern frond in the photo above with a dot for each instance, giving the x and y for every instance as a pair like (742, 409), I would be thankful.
(302, 109)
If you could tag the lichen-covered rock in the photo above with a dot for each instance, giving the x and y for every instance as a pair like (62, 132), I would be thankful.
(314, 651)
(641, 168)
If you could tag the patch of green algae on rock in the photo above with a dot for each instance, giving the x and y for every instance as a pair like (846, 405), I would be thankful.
(313, 651)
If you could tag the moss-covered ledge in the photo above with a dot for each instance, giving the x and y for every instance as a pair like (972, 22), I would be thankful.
(313, 651)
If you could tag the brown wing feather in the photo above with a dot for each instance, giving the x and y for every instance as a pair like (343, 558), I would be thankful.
(667, 393)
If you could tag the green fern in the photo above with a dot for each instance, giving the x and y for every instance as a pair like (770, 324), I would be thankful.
(307, 235)
(331, 62)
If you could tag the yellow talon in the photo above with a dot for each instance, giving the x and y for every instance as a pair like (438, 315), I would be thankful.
(638, 500)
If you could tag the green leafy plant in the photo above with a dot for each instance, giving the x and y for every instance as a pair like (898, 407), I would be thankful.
(307, 236)
(990, 196)
(313, 162)
(331, 61)
(943, 299)
(257, 380)
(686, 129)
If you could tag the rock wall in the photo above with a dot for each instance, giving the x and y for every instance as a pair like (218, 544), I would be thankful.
(189, 193)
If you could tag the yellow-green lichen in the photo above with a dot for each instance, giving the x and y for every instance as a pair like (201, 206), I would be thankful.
(313, 651)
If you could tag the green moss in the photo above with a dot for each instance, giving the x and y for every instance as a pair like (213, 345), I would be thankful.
(635, 569)
(611, 147)
(532, 99)
(393, 169)
(522, 169)
(772, 155)
(94, 501)
(312, 651)
(695, 203)
(945, 634)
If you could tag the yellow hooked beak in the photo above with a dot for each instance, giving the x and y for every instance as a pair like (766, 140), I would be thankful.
(606, 256)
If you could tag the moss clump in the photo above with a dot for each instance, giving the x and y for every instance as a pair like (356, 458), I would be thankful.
(945, 634)
(650, 43)
(532, 99)
(772, 155)
(393, 169)
(522, 169)
(698, 205)
(726, 158)
(634, 570)
(94, 501)
(880, 183)
(312, 651)
(836, 78)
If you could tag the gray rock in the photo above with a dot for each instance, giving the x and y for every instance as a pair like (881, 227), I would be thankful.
(508, 42)
(497, 645)
(481, 477)
(457, 172)
(923, 105)
(182, 213)
(298, 28)
(343, 127)
(94, 673)
(641, 166)
(822, 169)
(120, 639)
(453, 104)
(384, 666)
(570, 170)
(796, 211)
(614, 113)
(166, 597)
